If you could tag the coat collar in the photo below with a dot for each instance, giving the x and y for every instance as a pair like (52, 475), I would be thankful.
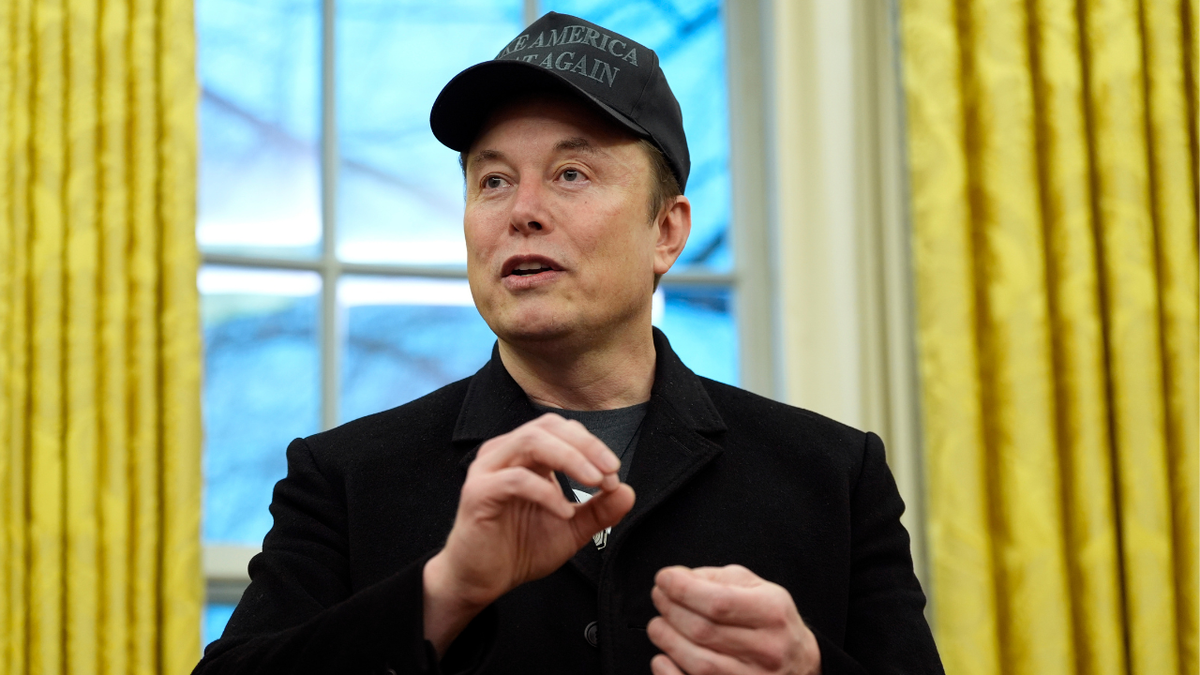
(496, 404)
(678, 388)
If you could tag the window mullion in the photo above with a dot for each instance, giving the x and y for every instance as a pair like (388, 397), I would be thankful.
(330, 268)
(755, 265)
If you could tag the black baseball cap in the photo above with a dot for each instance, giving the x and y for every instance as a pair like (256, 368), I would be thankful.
(617, 76)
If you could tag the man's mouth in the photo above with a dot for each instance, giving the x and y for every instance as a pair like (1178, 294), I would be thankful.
(527, 266)
(526, 269)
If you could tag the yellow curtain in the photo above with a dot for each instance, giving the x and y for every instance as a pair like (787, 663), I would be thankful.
(1053, 158)
(99, 338)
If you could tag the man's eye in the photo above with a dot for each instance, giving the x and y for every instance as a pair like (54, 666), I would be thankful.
(571, 175)
(492, 182)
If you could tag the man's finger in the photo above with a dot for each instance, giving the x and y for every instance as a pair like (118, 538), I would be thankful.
(691, 657)
(603, 510)
(746, 644)
(662, 664)
(521, 483)
(537, 449)
(575, 433)
(723, 603)
(734, 575)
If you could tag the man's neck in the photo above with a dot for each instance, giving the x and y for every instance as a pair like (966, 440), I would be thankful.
(616, 374)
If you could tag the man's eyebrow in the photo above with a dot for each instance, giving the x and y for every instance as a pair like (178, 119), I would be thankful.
(577, 143)
(485, 155)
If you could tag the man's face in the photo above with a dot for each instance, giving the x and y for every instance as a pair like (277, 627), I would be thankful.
(560, 243)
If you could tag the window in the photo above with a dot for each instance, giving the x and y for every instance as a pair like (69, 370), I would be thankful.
(334, 279)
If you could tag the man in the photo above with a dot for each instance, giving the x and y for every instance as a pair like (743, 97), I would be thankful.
(473, 531)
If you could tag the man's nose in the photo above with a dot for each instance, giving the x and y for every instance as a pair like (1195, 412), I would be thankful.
(528, 213)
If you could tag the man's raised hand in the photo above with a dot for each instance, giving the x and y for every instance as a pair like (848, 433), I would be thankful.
(727, 620)
(514, 524)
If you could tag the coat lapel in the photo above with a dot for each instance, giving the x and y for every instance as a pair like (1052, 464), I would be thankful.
(679, 437)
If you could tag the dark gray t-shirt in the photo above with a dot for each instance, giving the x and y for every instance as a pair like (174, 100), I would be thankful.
(618, 428)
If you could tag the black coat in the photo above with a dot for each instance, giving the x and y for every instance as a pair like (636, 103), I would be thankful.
(721, 475)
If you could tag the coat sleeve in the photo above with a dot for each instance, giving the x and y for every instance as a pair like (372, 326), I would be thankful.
(299, 614)
(886, 631)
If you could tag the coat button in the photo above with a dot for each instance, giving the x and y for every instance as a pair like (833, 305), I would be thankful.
(589, 633)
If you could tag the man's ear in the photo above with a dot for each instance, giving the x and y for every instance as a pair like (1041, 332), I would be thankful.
(674, 224)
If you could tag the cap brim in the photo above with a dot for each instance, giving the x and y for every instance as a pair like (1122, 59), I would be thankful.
(468, 100)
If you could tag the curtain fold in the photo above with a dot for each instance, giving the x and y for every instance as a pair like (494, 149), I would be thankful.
(99, 338)
(1052, 153)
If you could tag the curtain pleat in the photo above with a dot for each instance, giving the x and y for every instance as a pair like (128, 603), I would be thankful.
(1173, 199)
(180, 320)
(959, 546)
(15, 85)
(81, 442)
(1052, 149)
(6, 319)
(1078, 340)
(12, 330)
(1014, 341)
(1130, 289)
(116, 504)
(1191, 35)
(99, 338)
(46, 527)
(144, 338)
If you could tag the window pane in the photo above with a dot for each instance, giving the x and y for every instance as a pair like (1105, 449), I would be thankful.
(400, 191)
(259, 66)
(405, 338)
(699, 322)
(215, 618)
(689, 37)
(261, 390)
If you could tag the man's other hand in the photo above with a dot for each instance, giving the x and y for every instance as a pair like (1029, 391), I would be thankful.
(727, 620)
(514, 524)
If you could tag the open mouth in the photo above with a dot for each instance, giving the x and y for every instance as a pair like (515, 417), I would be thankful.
(528, 266)
(527, 269)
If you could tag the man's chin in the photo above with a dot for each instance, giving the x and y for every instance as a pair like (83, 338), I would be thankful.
(543, 327)
(539, 329)
(535, 332)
